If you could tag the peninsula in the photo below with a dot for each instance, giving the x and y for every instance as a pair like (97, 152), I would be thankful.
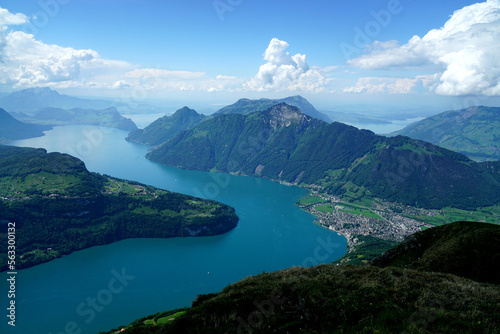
(57, 206)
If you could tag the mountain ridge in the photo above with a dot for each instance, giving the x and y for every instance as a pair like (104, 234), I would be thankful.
(32, 99)
(334, 156)
(451, 249)
(246, 106)
(474, 131)
(57, 116)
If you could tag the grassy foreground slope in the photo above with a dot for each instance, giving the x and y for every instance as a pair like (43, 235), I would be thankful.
(349, 299)
(58, 206)
(466, 249)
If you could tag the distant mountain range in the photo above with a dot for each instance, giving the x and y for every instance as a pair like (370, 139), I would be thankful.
(474, 131)
(33, 99)
(12, 129)
(167, 127)
(282, 143)
(441, 292)
(57, 116)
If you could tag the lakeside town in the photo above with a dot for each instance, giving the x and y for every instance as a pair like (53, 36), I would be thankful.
(382, 219)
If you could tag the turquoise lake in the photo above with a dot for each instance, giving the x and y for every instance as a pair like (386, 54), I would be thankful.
(100, 288)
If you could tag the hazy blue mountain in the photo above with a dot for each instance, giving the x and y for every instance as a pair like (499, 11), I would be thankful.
(33, 99)
(247, 106)
(54, 114)
(283, 144)
(58, 116)
(474, 131)
(12, 129)
(167, 127)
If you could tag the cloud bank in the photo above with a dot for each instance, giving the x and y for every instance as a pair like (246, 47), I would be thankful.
(460, 58)
(465, 50)
(27, 62)
(374, 85)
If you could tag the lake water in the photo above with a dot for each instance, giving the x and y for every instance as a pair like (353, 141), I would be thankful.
(103, 287)
(386, 128)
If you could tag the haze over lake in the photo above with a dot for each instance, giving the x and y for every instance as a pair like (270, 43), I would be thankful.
(152, 275)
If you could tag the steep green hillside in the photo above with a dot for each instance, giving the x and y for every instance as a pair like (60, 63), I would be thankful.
(283, 144)
(474, 131)
(58, 206)
(465, 249)
(167, 127)
(12, 129)
(348, 299)
(246, 107)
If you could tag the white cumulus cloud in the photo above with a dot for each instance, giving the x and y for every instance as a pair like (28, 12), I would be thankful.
(465, 50)
(7, 18)
(283, 71)
(27, 62)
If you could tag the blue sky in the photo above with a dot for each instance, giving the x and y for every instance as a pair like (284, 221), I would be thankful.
(216, 51)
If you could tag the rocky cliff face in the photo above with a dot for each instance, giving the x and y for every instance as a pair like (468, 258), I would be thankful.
(283, 115)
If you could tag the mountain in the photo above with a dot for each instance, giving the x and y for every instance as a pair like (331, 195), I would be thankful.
(465, 249)
(283, 144)
(57, 206)
(349, 299)
(56, 116)
(246, 107)
(12, 129)
(33, 99)
(474, 131)
(167, 127)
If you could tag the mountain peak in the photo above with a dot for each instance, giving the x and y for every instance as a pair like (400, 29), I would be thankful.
(186, 114)
(167, 127)
(286, 110)
(186, 110)
(246, 107)
(283, 115)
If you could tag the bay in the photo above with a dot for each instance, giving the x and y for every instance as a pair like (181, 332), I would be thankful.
(103, 287)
